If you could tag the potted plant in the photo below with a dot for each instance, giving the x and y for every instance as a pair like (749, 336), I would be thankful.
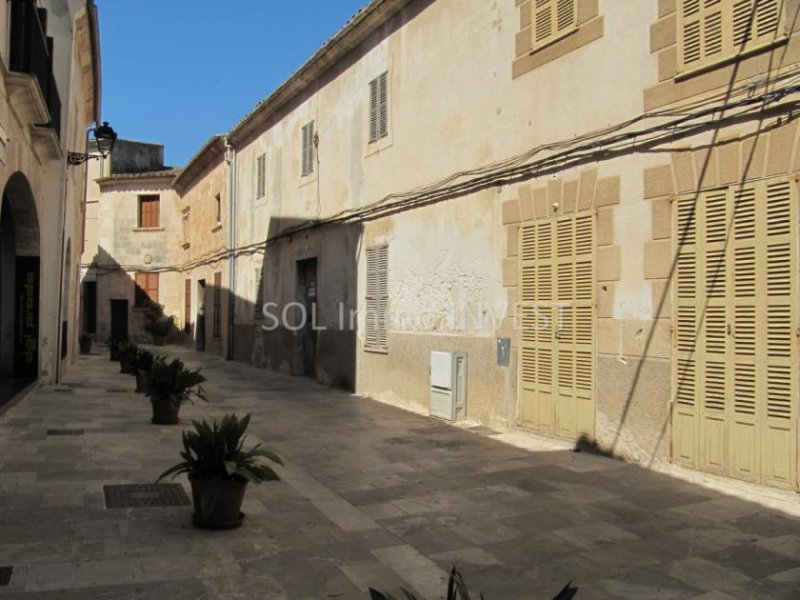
(127, 357)
(85, 342)
(113, 346)
(144, 361)
(219, 469)
(157, 323)
(168, 385)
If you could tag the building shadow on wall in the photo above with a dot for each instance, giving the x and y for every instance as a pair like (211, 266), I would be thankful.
(303, 320)
(114, 305)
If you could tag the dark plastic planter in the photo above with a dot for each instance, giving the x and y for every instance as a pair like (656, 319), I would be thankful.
(227, 512)
(165, 412)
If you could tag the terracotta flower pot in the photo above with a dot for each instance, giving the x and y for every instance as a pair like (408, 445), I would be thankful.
(166, 412)
(227, 511)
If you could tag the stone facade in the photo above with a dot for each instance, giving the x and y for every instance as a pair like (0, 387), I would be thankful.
(45, 111)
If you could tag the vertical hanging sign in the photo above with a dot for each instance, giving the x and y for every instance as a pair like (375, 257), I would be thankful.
(26, 355)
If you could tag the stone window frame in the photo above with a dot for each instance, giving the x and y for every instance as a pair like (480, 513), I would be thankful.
(528, 57)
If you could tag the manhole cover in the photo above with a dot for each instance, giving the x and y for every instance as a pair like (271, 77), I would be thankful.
(145, 495)
(65, 432)
(5, 575)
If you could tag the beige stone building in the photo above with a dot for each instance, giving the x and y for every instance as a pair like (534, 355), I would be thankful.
(591, 203)
(49, 97)
(133, 224)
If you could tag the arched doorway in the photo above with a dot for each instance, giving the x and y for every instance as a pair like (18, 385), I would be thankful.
(19, 282)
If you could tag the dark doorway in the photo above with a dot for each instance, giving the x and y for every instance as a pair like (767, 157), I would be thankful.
(119, 319)
(187, 307)
(90, 307)
(307, 296)
(19, 287)
(200, 321)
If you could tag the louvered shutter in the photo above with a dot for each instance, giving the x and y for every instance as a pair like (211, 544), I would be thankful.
(713, 30)
(735, 405)
(217, 305)
(149, 211)
(552, 19)
(307, 159)
(557, 314)
(258, 308)
(377, 299)
(187, 306)
(140, 290)
(261, 166)
(373, 110)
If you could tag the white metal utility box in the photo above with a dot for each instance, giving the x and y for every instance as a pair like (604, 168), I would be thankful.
(449, 385)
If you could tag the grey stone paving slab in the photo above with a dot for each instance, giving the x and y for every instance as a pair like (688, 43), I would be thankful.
(371, 496)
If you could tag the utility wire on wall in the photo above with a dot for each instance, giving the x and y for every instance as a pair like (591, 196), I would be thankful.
(607, 143)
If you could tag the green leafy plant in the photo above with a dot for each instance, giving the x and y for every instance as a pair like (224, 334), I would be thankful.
(157, 323)
(173, 382)
(127, 352)
(457, 590)
(216, 449)
(215, 452)
(144, 360)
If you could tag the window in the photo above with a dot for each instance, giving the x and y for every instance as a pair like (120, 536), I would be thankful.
(712, 30)
(146, 289)
(149, 209)
(187, 306)
(377, 299)
(379, 107)
(218, 208)
(217, 305)
(309, 140)
(552, 19)
(261, 168)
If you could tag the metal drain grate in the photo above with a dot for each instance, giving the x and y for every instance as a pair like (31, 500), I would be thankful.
(5, 575)
(146, 495)
(65, 432)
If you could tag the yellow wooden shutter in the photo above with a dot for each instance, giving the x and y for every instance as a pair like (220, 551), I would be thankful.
(736, 394)
(552, 19)
(557, 283)
(713, 30)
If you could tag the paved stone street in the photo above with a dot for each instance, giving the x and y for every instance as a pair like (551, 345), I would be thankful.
(371, 496)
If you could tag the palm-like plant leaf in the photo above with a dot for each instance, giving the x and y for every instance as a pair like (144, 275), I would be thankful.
(215, 450)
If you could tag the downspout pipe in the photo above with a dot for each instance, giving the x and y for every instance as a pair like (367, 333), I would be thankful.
(230, 159)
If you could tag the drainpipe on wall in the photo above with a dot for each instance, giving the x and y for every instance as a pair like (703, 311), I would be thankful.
(230, 159)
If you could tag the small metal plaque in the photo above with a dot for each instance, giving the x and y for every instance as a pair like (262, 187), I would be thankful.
(65, 432)
(5, 575)
(503, 352)
(145, 495)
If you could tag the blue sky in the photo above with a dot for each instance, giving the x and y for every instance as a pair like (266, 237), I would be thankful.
(178, 71)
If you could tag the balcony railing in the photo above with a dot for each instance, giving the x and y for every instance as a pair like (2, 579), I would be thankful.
(32, 53)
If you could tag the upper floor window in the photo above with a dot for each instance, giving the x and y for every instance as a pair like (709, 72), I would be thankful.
(307, 158)
(218, 208)
(149, 211)
(551, 20)
(710, 31)
(379, 107)
(261, 172)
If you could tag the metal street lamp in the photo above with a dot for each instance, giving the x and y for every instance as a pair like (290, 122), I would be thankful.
(104, 138)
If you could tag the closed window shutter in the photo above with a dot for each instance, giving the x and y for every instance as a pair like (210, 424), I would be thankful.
(377, 299)
(552, 19)
(379, 107)
(149, 211)
(373, 110)
(308, 149)
(713, 30)
(146, 289)
(261, 166)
